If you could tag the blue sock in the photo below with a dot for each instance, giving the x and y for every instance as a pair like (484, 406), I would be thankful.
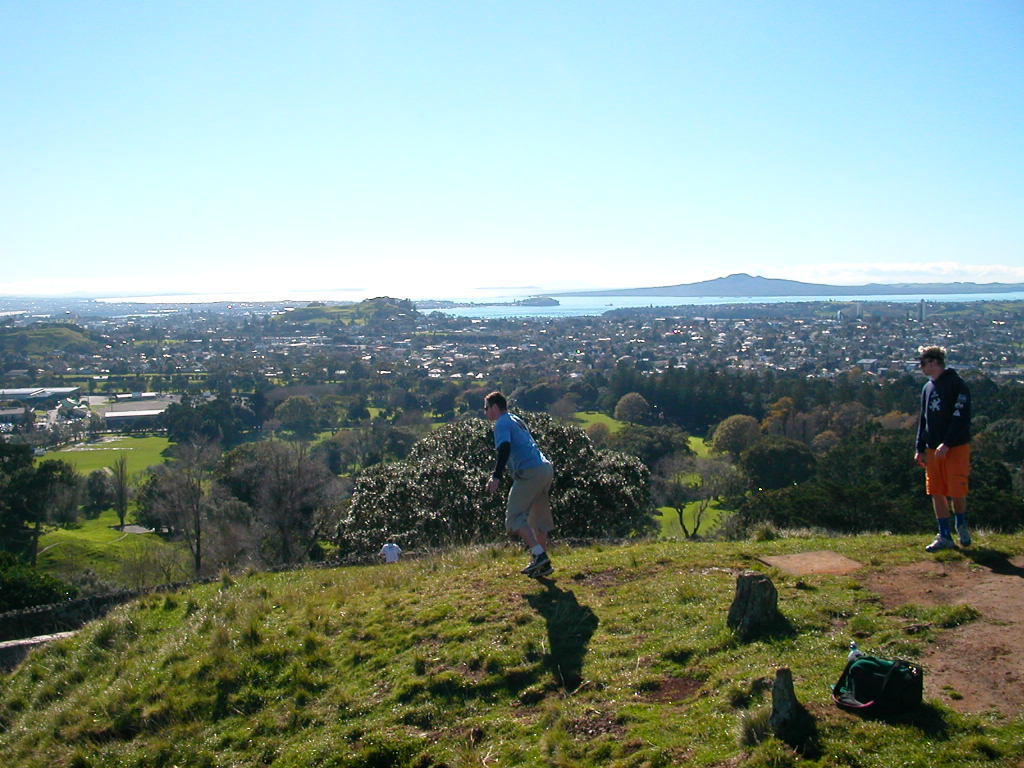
(944, 529)
(961, 521)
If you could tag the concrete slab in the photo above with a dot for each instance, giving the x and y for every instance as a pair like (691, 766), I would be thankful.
(820, 561)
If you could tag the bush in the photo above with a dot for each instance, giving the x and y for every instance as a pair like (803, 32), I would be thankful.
(436, 497)
(22, 586)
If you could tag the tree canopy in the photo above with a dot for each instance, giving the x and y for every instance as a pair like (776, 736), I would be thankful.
(32, 494)
(869, 483)
(775, 462)
(650, 444)
(735, 434)
(634, 408)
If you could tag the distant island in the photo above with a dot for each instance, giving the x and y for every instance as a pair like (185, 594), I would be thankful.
(742, 284)
(536, 301)
(533, 301)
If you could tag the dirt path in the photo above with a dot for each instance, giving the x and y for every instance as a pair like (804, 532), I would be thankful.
(982, 661)
(128, 530)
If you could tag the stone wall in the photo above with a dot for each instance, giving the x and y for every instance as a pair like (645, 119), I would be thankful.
(59, 617)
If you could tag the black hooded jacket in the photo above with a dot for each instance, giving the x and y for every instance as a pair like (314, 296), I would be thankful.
(945, 412)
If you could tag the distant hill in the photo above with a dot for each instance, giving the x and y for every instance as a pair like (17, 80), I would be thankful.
(375, 310)
(45, 339)
(742, 284)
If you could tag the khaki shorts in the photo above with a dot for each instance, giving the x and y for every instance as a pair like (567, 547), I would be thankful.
(528, 501)
(948, 476)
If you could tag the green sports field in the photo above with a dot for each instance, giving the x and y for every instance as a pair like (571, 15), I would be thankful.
(142, 452)
(586, 418)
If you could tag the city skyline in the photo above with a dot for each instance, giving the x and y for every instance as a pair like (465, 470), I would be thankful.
(431, 152)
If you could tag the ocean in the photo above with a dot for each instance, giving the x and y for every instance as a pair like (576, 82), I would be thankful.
(581, 306)
(486, 305)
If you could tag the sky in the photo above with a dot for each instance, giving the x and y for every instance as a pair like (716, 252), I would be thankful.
(436, 149)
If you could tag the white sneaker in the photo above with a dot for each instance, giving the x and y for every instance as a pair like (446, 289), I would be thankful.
(941, 542)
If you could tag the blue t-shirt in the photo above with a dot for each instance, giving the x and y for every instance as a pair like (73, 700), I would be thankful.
(525, 453)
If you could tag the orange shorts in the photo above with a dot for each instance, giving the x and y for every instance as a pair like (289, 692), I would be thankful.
(948, 476)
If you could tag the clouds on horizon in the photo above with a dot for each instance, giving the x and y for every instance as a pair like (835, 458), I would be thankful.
(907, 272)
(458, 286)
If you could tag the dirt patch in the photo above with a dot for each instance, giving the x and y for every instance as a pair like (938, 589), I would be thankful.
(138, 529)
(821, 561)
(612, 577)
(979, 666)
(595, 724)
(675, 689)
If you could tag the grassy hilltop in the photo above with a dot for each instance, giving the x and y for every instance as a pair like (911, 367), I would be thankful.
(43, 339)
(456, 660)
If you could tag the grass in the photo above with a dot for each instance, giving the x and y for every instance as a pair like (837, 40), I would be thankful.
(142, 452)
(669, 520)
(96, 546)
(586, 418)
(455, 660)
(131, 560)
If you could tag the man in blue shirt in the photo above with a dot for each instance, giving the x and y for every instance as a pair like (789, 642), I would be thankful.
(391, 552)
(528, 513)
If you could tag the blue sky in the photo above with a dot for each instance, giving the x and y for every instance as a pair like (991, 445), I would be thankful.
(429, 149)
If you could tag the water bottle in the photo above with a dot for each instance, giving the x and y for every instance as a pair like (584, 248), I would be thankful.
(855, 652)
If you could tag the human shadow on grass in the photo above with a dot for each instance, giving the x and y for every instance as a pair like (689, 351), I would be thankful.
(570, 627)
(995, 560)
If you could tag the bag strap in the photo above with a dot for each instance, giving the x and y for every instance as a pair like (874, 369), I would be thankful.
(888, 676)
(897, 664)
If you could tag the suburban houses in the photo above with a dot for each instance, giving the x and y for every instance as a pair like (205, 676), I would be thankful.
(135, 364)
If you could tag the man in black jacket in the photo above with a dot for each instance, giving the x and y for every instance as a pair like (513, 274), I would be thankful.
(943, 445)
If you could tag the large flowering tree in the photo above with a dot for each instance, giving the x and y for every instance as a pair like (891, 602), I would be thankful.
(436, 496)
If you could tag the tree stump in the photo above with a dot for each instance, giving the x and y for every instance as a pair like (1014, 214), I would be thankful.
(755, 609)
(785, 706)
(789, 720)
